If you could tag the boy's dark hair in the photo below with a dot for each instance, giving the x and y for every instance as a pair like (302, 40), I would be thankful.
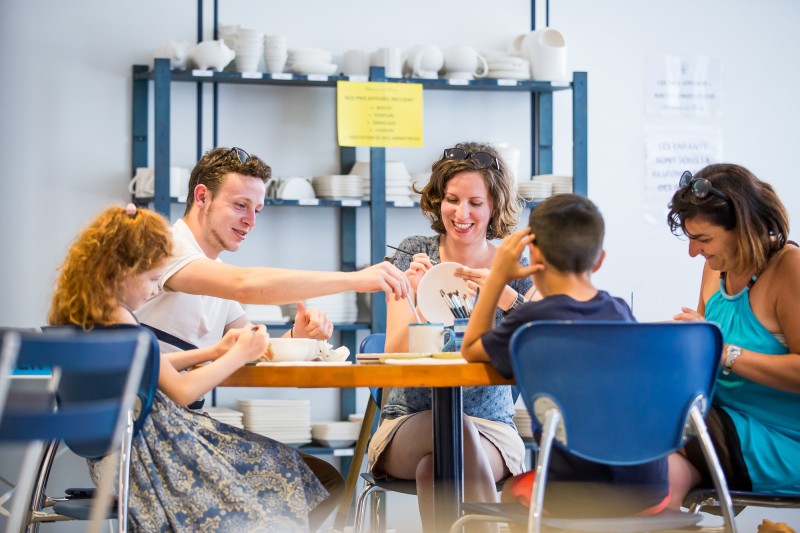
(569, 231)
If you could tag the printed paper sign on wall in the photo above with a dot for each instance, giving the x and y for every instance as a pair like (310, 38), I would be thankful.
(379, 114)
(683, 86)
(669, 152)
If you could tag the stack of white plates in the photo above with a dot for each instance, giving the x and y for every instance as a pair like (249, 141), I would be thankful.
(508, 67)
(561, 184)
(523, 422)
(535, 190)
(337, 186)
(398, 180)
(228, 416)
(311, 61)
(336, 434)
(287, 421)
(341, 308)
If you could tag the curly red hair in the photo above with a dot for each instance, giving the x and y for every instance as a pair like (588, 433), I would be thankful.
(114, 246)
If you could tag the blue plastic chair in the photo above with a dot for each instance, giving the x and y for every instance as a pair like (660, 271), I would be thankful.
(95, 377)
(8, 359)
(615, 393)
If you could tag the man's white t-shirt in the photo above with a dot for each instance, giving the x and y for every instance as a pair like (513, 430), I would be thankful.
(197, 319)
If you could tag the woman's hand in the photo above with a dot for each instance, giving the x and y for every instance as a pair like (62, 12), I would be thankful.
(420, 264)
(311, 324)
(689, 315)
(251, 341)
(474, 277)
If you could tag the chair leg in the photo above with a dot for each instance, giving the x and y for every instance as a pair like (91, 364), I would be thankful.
(124, 475)
(355, 466)
(20, 513)
(361, 508)
(724, 497)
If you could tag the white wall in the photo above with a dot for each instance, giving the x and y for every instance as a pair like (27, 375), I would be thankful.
(65, 108)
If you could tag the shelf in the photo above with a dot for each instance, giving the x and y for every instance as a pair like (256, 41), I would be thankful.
(295, 80)
(320, 202)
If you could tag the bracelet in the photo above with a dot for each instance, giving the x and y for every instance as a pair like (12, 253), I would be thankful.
(519, 300)
(731, 353)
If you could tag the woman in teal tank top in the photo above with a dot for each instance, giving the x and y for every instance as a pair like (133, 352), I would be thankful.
(751, 289)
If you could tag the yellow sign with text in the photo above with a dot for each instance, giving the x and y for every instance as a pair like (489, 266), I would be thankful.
(379, 114)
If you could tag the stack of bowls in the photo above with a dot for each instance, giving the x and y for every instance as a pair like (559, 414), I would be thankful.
(249, 48)
(561, 184)
(398, 180)
(311, 61)
(503, 65)
(275, 53)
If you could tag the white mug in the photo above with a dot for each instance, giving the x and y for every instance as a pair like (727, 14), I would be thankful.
(142, 185)
(431, 337)
(356, 63)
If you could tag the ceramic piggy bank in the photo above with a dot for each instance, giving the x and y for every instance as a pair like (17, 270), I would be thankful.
(212, 55)
(177, 52)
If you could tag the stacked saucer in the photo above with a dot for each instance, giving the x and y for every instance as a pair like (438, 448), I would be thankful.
(311, 61)
(287, 421)
(337, 186)
(398, 180)
(335, 434)
(341, 308)
(508, 67)
(535, 190)
(228, 416)
(561, 184)
(522, 419)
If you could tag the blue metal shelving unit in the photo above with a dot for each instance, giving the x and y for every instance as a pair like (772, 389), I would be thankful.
(161, 78)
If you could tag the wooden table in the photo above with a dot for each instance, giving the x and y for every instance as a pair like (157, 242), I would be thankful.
(446, 381)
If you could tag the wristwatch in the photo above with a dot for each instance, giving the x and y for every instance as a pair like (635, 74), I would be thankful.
(516, 303)
(732, 352)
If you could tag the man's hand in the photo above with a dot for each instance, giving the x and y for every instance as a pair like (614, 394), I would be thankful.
(311, 323)
(382, 277)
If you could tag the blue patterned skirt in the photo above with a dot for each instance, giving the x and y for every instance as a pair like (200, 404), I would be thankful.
(191, 473)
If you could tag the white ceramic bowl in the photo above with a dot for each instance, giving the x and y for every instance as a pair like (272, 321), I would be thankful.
(282, 349)
(430, 301)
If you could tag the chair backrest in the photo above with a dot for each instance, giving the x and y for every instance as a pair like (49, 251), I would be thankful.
(97, 377)
(75, 386)
(624, 390)
(8, 359)
(374, 343)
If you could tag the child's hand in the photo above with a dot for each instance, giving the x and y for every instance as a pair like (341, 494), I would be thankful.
(420, 264)
(311, 323)
(506, 263)
(689, 315)
(227, 341)
(252, 342)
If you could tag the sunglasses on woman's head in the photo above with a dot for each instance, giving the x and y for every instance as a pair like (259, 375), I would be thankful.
(482, 159)
(700, 187)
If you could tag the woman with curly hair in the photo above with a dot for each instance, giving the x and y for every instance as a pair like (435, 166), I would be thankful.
(470, 199)
(189, 472)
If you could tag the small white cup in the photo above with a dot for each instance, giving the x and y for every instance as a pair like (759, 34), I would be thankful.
(431, 337)
(391, 59)
(142, 185)
(356, 63)
(179, 183)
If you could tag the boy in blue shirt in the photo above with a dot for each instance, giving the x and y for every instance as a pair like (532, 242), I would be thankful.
(565, 240)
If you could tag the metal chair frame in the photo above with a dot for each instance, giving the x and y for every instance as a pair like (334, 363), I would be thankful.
(578, 377)
(91, 426)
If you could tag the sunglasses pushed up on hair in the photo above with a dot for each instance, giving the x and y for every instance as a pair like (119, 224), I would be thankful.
(700, 187)
(481, 159)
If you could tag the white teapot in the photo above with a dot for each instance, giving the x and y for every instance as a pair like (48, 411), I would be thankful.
(425, 61)
(177, 52)
(212, 55)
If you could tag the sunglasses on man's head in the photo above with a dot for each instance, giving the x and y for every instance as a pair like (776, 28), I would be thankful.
(700, 187)
(241, 154)
(482, 159)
